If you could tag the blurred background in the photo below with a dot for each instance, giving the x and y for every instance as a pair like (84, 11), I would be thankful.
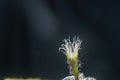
(31, 31)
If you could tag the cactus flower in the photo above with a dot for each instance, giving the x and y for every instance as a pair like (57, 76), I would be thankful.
(71, 48)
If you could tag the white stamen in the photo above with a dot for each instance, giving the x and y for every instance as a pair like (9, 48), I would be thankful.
(71, 48)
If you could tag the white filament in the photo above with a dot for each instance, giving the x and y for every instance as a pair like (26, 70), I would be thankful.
(70, 49)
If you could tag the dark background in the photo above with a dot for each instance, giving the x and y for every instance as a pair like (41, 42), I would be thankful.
(31, 32)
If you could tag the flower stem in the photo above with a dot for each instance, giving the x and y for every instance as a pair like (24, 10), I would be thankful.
(74, 65)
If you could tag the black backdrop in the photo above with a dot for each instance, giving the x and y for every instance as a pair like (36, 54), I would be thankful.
(31, 32)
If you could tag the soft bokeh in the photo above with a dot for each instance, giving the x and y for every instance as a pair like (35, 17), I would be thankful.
(31, 32)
